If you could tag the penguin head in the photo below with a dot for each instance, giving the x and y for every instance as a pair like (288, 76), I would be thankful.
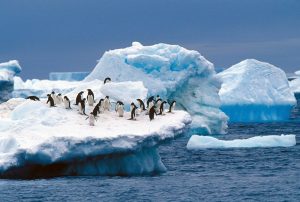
(53, 92)
(107, 97)
(59, 94)
(81, 92)
(48, 95)
(89, 90)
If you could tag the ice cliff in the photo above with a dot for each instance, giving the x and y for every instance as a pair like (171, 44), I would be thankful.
(173, 72)
(254, 91)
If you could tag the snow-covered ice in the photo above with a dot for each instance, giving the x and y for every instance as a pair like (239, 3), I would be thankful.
(203, 142)
(34, 137)
(7, 72)
(254, 91)
(173, 72)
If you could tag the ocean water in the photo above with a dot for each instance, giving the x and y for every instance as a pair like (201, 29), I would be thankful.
(254, 174)
(237, 174)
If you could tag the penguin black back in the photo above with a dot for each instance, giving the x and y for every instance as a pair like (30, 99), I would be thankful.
(142, 105)
(107, 79)
(50, 100)
(172, 105)
(152, 112)
(161, 108)
(150, 99)
(78, 98)
(34, 98)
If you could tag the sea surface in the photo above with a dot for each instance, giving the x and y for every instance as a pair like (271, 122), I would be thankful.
(237, 174)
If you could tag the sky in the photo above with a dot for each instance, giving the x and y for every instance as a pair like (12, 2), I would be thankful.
(71, 35)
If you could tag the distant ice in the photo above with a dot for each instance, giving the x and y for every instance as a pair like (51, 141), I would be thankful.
(203, 142)
(254, 91)
(67, 76)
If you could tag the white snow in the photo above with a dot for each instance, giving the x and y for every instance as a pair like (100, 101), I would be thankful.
(203, 142)
(295, 85)
(255, 91)
(31, 132)
(173, 72)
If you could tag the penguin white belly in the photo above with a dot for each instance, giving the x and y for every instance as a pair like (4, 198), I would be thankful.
(80, 109)
(106, 105)
(90, 100)
(91, 120)
(54, 99)
(158, 106)
(120, 111)
(66, 104)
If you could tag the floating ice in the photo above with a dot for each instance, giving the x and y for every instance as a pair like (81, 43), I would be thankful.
(295, 85)
(203, 142)
(7, 72)
(172, 72)
(254, 91)
(68, 76)
(36, 139)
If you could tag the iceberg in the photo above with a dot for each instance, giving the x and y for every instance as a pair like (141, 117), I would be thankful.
(36, 139)
(254, 91)
(204, 142)
(7, 72)
(67, 76)
(172, 72)
(295, 85)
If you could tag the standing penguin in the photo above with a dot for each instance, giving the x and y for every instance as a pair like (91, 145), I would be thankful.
(161, 109)
(59, 98)
(158, 103)
(78, 97)
(132, 111)
(92, 119)
(142, 105)
(96, 110)
(120, 108)
(90, 97)
(152, 112)
(54, 97)
(50, 101)
(106, 104)
(150, 99)
(107, 80)
(172, 106)
(67, 102)
(101, 106)
(82, 106)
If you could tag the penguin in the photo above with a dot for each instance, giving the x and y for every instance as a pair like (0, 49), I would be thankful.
(90, 97)
(92, 119)
(82, 106)
(151, 104)
(106, 104)
(96, 110)
(100, 106)
(78, 98)
(152, 111)
(32, 97)
(59, 98)
(142, 105)
(161, 109)
(107, 80)
(132, 111)
(54, 97)
(172, 106)
(120, 108)
(158, 103)
(50, 101)
(67, 102)
(150, 99)
(157, 97)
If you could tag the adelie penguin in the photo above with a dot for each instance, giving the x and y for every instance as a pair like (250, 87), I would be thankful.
(78, 98)
(50, 101)
(161, 108)
(150, 99)
(67, 102)
(90, 97)
(172, 106)
(100, 106)
(152, 112)
(59, 98)
(82, 106)
(142, 105)
(132, 111)
(158, 103)
(54, 97)
(34, 98)
(120, 108)
(92, 119)
(106, 104)
(107, 80)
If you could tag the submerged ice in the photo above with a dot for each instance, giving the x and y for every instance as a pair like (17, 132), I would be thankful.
(203, 142)
(173, 72)
(254, 91)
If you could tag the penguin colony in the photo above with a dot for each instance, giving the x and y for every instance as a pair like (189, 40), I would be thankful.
(155, 106)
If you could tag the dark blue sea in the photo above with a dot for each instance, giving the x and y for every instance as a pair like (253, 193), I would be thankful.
(252, 174)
